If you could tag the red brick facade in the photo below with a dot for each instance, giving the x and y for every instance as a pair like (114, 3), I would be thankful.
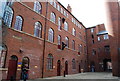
(24, 44)
(98, 48)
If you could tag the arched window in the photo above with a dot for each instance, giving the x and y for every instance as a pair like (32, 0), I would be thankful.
(50, 62)
(73, 64)
(37, 7)
(38, 30)
(73, 44)
(18, 23)
(51, 35)
(73, 31)
(59, 42)
(3, 53)
(67, 41)
(59, 23)
(53, 17)
(66, 26)
(8, 15)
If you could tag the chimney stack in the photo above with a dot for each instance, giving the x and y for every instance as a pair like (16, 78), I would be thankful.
(69, 8)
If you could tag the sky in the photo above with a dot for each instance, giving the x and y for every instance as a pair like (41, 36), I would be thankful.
(89, 12)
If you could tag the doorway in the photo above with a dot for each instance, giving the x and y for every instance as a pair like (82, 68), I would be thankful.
(58, 68)
(66, 67)
(12, 68)
(79, 68)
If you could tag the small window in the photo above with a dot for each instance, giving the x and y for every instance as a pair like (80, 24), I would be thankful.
(80, 35)
(66, 26)
(73, 44)
(73, 64)
(51, 35)
(50, 62)
(107, 49)
(38, 30)
(92, 30)
(67, 41)
(58, 7)
(8, 15)
(93, 36)
(93, 41)
(93, 52)
(61, 10)
(59, 23)
(53, 17)
(59, 42)
(73, 31)
(37, 7)
(18, 23)
(106, 37)
(98, 38)
(80, 48)
(55, 4)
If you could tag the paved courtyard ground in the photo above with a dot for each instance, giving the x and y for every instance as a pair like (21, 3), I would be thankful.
(88, 76)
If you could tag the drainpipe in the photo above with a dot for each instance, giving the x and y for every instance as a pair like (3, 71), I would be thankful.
(44, 39)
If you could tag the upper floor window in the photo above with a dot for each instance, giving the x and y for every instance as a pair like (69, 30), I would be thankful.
(53, 17)
(8, 15)
(81, 48)
(10, 2)
(51, 35)
(73, 31)
(73, 44)
(59, 23)
(92, 30)
(85, 50)
(50, 62)
(66, 26)
(38, 30)
(59, 42)
(73, 64)
(61, 10)
(67, 41)
(80, 35)
(106, 37)
(37, 7)
(98, 38)
(18, 23)
(55, 4)
(58, 7)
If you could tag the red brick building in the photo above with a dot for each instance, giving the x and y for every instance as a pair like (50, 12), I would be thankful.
(98, 44)
(113, 24)
(32, 37)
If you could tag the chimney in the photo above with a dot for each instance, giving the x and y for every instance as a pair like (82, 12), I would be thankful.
(69, 8)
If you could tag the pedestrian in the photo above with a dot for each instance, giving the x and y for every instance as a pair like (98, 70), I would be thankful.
(24, 74)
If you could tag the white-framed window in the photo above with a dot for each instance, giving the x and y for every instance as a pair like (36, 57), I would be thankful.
(106, 36)
(51, 35)
(50, 62)
(59, 23)
(38, 30)
(8, 15)
(98, 38)
(18, 23)
(67, 41)
(92, 30)
(53, 17)
(66, 26)
(37, 7)
(73, 31)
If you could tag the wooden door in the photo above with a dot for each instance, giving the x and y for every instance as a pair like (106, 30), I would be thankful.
(58, 68)
(12, 68)
(66, 68)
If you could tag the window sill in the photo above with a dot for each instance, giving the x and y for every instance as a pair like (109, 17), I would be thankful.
(3, 69)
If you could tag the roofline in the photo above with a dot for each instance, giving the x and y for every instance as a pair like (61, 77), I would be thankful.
(71, 14)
